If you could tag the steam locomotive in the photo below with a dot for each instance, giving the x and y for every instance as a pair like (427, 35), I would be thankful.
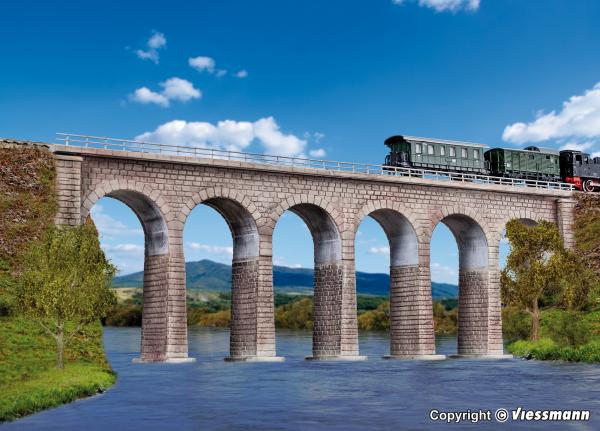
(530, 163)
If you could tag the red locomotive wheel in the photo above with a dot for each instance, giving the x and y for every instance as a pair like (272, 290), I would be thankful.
(587, 186)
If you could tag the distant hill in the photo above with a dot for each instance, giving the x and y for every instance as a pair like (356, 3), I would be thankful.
(207, 275)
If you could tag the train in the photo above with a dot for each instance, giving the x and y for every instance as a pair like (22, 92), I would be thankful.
(530, 163)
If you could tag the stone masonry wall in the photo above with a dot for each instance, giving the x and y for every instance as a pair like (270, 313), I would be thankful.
(473, 321)
(154, 315)
(411, 314)
(328, 280)
(244, 284)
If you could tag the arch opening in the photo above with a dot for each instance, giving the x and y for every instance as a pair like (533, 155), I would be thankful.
(325, 234)
(404, 250)
(410, 307)
(242, 226)
(156, 344)
(471, 240)
(151, 218)
(327, 280)
(479, 314)
(243, 256)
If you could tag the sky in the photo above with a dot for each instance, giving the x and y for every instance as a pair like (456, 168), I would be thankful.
(304, 78)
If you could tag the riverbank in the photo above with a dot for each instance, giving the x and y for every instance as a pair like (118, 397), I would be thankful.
(29, 379)
(548, 350)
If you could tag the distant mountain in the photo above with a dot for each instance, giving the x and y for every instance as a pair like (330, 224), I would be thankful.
(213, 276)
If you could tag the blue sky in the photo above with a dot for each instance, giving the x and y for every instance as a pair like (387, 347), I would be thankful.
(329, 79)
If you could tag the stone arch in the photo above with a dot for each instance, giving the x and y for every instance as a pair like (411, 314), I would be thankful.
(472, 234)
(238, 211)
(334, 318)
(400, 227)
(252, 325)
(323, 220)
(479, 313)
(411, 315)
(147, 204)
(164, 331)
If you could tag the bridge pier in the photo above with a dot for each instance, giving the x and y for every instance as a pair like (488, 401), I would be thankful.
(252, 331)
(335, 327)
(411, 315)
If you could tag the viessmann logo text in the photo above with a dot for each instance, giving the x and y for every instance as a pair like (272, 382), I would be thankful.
(503, 415)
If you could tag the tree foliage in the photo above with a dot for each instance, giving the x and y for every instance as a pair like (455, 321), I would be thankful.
(540, 271)
(66, 279)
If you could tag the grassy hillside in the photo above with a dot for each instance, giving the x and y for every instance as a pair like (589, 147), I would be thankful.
(206, 275)
(29, 379)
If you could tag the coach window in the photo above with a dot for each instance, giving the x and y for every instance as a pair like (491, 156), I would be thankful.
(430, 150)
(418, 148)
(442, 150)
(476, 154)
(452, 152)
(464, 153)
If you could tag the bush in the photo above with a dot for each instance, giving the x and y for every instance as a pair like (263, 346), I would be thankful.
(516, 325)
(568, 328)
(220, 319)
(295, 315)
(127, 314)
(375, 320)
(445, 320)
(547, 349)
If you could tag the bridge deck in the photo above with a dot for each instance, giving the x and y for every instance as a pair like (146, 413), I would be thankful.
(118, 148)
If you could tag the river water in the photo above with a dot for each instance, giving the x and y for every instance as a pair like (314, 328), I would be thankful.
(303, 395)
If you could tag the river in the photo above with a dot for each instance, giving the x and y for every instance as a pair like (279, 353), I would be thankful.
(304, 395)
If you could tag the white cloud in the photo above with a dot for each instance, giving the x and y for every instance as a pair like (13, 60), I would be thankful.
(206, 64)
(180, 89)
(212, 249)
(173, 89)
(578, 119)
(575, 146)
(156, 42)
(108, 227)
(268, 133)
(319, 152)
(146, 96)
(241, 73)
(229, 135)
(379, 250)
(202, 63)
(446, 5)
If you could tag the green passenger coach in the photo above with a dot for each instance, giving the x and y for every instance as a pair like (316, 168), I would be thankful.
(435, 154)
(529, 163)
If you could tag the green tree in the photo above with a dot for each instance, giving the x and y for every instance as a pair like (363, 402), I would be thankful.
(533, 268)
(65, 283)
(578, 282)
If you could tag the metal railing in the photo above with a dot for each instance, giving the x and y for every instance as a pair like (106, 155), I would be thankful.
(98, 142)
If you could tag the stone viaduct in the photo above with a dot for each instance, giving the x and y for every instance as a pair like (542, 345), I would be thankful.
(162, 190)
